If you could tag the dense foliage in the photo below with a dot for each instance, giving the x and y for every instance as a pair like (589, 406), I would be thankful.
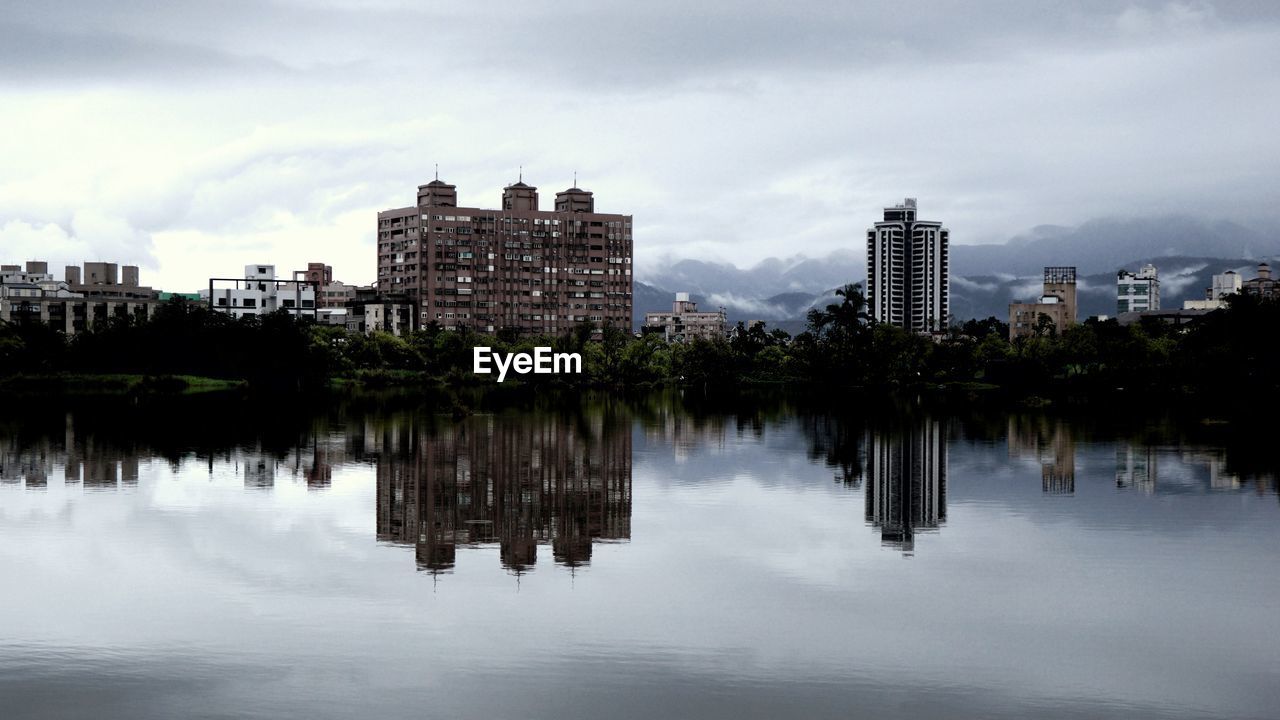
(1229, 351)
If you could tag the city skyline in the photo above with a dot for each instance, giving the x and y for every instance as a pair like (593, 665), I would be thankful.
(190, 143)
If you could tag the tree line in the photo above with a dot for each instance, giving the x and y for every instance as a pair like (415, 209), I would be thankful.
(1231, 351)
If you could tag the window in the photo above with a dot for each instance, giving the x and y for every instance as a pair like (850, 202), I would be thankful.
(250, 302)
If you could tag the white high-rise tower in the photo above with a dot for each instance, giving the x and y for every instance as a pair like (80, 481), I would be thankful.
(908, 271)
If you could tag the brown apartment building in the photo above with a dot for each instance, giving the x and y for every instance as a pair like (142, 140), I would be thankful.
(538, 271)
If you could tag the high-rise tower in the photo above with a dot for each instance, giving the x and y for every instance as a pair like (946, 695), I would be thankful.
(908, 270)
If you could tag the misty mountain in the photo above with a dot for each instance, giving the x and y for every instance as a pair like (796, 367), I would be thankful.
(985, 278)
(1108, 244)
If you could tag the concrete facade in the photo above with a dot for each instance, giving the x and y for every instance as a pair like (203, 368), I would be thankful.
(908, 270)
(539, 272)
(1138, 292)
(33, 295)
(1058, 303)
(260, 292)
(685, 323)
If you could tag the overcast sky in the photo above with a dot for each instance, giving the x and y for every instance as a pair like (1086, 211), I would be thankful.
(193, 138)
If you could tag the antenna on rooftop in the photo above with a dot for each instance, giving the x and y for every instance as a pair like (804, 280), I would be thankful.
(437, 171)
(521, 174)
(575, 178)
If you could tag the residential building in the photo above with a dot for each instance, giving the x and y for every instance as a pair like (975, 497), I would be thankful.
(685, 323)
(33, 295)
(1138, 292)
(518, 266)
(908, 272)
(338, 294)
(1057, 303)
(1224, 285)
(318, 273)
(370, 311)
(259, 292)
(1263, 285)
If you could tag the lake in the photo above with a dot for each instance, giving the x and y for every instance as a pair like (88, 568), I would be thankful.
(657, 556)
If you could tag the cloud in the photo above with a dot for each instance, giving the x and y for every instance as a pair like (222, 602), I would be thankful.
(731, 132)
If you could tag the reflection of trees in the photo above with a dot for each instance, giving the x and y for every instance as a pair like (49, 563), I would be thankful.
(839, 441)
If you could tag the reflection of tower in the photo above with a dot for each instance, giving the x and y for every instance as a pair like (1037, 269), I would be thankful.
(907, 482)
(1052, 445)
(515, 480)
(259, 469)
(1136, 467)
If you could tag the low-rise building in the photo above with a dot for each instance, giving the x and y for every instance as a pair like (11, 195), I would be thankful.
(1138, 292)
(77, 303)
(1057, 303)
(371, 312)
(685, 323)
(1168, 317)
(259, 292)
(1223, 286)
(1263, 285)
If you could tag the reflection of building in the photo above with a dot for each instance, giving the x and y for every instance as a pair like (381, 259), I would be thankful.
(1136, 467)
(907, 482)
(1052, 445)
(1215, 462)
(1057, 303)
(684, 323)
(517, 481)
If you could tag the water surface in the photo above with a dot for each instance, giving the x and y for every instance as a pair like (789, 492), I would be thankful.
(646, 558)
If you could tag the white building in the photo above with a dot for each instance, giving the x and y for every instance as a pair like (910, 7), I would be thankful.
(259, 292)
(1138, 292)
(1215, 296)
(908, 276)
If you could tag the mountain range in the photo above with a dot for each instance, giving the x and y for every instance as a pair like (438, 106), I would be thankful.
(984, 278)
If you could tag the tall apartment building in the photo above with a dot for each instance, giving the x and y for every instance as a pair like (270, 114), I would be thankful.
(908, 270)
(1138, 292)
(1058, 303)
(537, 271)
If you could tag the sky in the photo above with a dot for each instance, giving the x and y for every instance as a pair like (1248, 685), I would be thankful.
(194, 138)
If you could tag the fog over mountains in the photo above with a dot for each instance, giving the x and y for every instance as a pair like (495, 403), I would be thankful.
(984, 278)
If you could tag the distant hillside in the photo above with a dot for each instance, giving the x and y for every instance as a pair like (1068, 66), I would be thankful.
(1104, 245)
(985, 278)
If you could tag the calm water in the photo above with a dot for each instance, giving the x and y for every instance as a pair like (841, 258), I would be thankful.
(215, 558)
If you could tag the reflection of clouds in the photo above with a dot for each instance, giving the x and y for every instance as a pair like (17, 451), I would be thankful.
(751, 585)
